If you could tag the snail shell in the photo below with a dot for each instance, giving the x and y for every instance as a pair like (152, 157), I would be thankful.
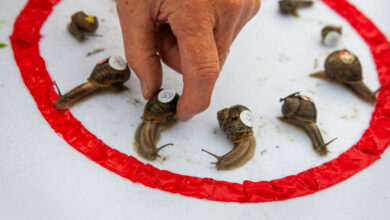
(331, 35)
(236, 122)
(230, 122)
(108, 75)
(345, 67)
(299, 107)
(299, 110)
(84, 22)
(291, 6)
(110, 71)
(159, 113)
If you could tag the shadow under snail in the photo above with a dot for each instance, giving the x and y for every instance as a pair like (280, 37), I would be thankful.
(159, 114)
(108, 75)
(81, 24)
(291, 6)
(300, 111)
(237, 123)
(343, 66)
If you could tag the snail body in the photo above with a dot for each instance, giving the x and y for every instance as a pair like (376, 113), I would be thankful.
(236, 122)
(300, 111)
(108, 75)
(159, 113)
(343, 66)
(291, 6)
(82, 23)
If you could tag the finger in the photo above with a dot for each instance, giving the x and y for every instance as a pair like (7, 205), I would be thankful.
(168, 48)
(223, 39)
(140, 44)
(199, 62)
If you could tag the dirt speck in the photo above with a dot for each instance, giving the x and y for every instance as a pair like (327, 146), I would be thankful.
(95, 51)
(316, 63)
(263, 152)
(132, 125)
(215, 131)
(136, 101)
(164, 158)
(292, 140)
(277, 146)
(318, 84)
(193, 162)
(283, 58)
(260, 127)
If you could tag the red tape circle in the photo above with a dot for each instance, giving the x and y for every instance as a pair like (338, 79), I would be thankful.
(25, 44)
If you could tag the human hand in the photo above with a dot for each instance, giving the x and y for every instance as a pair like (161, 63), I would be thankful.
(191, 36)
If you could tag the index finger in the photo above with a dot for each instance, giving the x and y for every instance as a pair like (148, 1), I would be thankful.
(199, 62)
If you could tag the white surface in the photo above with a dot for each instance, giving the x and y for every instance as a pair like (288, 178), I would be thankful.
(41, 177)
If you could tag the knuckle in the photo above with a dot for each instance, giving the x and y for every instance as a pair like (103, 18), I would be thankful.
(235, 6)
(207, 73)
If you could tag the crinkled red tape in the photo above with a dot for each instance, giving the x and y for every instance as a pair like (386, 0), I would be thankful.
(25, 43)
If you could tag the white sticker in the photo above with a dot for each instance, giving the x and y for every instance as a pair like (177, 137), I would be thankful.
(117, 62)
(166, 95)
(332, 38)
(246, 118)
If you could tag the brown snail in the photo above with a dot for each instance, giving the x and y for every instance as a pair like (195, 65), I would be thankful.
(291, 6)
(299, 110)
(345, 67)
(331, 35)
(159, 113)
(236, 122)
(108, 75)
(81, 24)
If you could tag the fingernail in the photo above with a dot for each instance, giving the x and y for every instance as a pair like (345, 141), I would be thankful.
(145, 89)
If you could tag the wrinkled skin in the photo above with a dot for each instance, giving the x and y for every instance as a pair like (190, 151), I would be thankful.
(191, 36)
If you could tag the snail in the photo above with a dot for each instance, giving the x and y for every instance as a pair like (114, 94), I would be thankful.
(331, 35)
(159, 114)
(344, 66)
(237, 123)
(108, 75)
(291, 6)
(299, 110)
(80, 23)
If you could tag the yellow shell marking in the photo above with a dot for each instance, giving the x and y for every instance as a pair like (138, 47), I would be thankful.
(90, 19)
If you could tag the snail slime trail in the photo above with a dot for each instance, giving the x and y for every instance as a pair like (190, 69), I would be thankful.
(300, 111)
(344, 67)
(237, 123)
(108, 75)
(159, 114)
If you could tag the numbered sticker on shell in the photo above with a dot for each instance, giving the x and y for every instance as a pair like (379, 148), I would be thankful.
(117, 62)
(347, 57)
(246, 118)
(332, 38)
(166, 95)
